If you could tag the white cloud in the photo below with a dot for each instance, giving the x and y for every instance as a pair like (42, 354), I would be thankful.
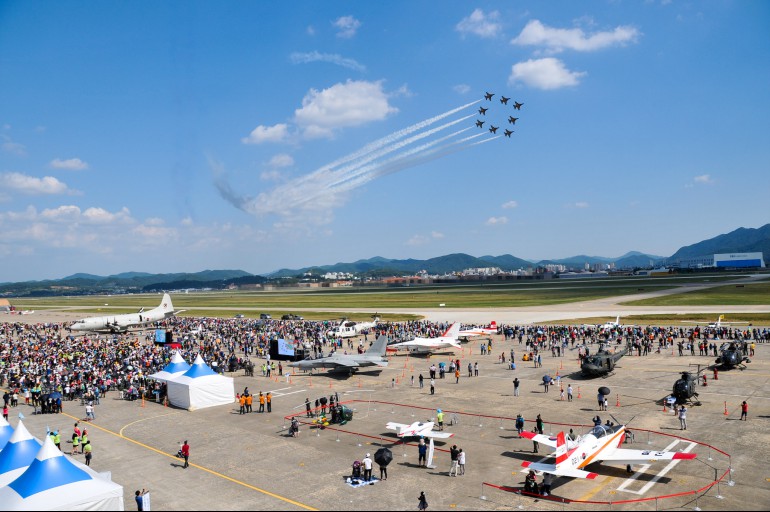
(9, 146)
(281, 160)
(509, 205)
(341, 105)
(462, 88)
(417, 240)
(347, 26)
(480, 24)
(496, 221)
(332, 58)
(31, 185)
(548, 73)
(93, 215)
(72, 164)
(436, 234)
(260, 134)
(558, 39)
(703, 179)
(579, 204)
(273, 175)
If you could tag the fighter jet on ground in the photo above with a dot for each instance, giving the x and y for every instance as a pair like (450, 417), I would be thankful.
(493, 129)
(483, 111)
(517, 105)
(508, 133)
(479, 123)
(478, 331)
(375, 356)
(426, 345)
(488, 96)
(504, 100)
(512, 119)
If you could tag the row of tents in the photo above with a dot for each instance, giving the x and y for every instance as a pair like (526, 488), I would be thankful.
(36, 475)
(197, 386)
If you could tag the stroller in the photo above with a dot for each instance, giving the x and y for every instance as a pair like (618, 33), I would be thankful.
(357, 469)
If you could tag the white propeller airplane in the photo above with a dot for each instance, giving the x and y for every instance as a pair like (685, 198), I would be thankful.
(349, 329)
(121, 323)
(426, 345)
(715, 325)
(417, 429)
(602, 443)
(479, 331)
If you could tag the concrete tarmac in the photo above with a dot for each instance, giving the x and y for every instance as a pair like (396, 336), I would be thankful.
(248, 462)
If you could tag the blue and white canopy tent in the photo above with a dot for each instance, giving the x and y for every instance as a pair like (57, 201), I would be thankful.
(200, 387)
(17, 454)
(53, 481)
(6, 431)
(174, 369)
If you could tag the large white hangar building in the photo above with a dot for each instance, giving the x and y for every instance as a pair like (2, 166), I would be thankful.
(740, 260)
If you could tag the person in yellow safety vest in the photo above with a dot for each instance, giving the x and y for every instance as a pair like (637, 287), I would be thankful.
(440, 419)
(84, 437)
(57, 439)
(75, 444)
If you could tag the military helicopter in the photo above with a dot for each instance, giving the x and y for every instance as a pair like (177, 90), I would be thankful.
(733, 354)
(684, 390)
(602, 363)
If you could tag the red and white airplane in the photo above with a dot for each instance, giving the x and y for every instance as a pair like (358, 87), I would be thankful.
(425, 345)
(479, 331)
(601, 444)
(417, 429)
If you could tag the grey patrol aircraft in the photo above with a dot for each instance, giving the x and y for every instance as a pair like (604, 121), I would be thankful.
(349, 363)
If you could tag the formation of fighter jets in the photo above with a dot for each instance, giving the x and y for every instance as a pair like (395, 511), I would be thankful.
(503, 101)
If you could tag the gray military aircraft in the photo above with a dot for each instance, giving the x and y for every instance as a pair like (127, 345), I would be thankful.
(375, 356)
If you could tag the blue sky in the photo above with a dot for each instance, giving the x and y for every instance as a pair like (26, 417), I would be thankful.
(183, 136)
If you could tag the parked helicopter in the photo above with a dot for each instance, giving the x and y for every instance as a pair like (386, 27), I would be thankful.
(684, 390)
(602, 363)
(733, 354)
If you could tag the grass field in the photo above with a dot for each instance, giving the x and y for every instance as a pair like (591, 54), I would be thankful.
(748, 294)
(681, 319)
(322, 304)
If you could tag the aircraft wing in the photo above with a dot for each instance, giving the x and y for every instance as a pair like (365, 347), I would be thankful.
(395, 426)
(339, 362)
(551, 468)
(626, 456)
(540, 438)
(437, 435)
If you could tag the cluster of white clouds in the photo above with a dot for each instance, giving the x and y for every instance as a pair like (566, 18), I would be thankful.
(346, 26)
(16, 182)
(547, 72)
(332, 58)
(703, 179)
(418, 240)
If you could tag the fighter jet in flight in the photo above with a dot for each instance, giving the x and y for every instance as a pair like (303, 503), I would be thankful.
(508, 133)
(517, 105)
(479, 123)
(512, 119)
(504, 100)
(488, 96)
(493, 129)
(483, 111)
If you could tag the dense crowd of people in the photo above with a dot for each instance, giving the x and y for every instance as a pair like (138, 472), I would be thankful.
(46, 358)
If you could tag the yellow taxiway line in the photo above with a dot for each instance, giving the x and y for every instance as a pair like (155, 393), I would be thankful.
(220, 475)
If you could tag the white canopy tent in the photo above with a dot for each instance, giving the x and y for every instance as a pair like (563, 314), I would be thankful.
(200, 387)
(174, 369)
(55, 482)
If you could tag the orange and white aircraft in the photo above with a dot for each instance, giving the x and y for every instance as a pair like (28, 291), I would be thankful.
(479, 331)
(601, 444)
(417, 429)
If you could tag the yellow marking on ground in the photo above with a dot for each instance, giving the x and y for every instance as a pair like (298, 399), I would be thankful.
(596, 489)
(170, 456)
(145, 419)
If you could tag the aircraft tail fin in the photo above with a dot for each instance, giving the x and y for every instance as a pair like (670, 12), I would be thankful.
(379, 346)
(453, 331)
(165, 304)
(493, 325)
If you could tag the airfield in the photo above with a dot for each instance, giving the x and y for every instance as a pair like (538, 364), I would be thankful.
(245, 462)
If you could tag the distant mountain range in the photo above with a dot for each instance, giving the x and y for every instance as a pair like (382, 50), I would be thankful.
(460, 261)
(738, 241)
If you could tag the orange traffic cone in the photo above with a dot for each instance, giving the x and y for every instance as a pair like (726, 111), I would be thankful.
(578, 391)
(726, 413)
(617, 400)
